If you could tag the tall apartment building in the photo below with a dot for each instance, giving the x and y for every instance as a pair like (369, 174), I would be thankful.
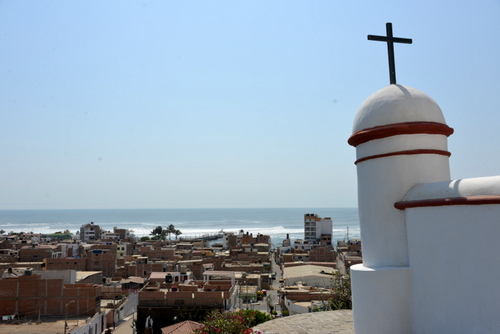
(89, 232)
(315, 227)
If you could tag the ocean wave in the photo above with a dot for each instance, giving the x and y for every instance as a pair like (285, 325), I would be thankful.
(142, 231)
(274, 222)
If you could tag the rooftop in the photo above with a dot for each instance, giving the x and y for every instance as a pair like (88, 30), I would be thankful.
(307, 270)
(47, 326)
(310, 323)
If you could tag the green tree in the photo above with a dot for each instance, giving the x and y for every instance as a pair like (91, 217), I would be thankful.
(177, 233)
(254, 317)
(343, 295)
(159, 233)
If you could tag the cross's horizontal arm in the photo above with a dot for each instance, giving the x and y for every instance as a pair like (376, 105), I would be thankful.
(394, 39)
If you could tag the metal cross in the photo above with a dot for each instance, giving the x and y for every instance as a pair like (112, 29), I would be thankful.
(390, 48)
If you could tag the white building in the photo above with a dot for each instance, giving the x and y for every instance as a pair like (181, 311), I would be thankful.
(90, 232)
(315, 227)
(110, 236)
(225, 239)
(308, 275)
(430, 244)
(121, 250)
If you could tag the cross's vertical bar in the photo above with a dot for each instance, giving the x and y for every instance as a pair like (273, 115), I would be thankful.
(390, 49)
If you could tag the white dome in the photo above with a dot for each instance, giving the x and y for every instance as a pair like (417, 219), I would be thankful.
(397, 104)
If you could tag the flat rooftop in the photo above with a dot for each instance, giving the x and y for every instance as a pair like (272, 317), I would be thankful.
(51, 326)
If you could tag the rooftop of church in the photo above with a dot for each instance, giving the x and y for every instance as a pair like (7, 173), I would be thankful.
(310, 323)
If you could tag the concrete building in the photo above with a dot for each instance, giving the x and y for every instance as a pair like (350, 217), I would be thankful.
(231, 240)
(34, 253)
(101, 260)
(308, 275)
(123, 233)
(166, 305)
(90, 232)
(30, 295)
(303, 299)
(315, 227)
(64, 263)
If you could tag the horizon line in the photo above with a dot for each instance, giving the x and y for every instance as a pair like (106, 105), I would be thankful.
(199, 208)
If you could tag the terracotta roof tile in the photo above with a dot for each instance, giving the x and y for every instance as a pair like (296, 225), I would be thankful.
(185, 327)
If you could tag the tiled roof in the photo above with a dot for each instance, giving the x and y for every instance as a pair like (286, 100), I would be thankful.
(185, 327)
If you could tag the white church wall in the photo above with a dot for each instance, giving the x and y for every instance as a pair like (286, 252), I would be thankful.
(382, 182)
(380, 299)
(453, 254)
(403, 143)
(400, 137)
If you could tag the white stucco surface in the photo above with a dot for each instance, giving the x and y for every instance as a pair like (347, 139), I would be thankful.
(374, 309)
(381, 183)
(382, 285)
(453, 253)
(403, 143)
(455, 188)
(397, 104)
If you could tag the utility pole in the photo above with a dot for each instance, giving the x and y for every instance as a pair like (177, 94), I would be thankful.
(66, 316)
(114, 305)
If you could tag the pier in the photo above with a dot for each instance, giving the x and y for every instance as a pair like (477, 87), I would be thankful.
(204, 237)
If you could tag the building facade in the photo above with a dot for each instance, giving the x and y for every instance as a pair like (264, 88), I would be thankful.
(315, 227)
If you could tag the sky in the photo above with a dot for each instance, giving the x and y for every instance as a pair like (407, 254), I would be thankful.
(226, 104)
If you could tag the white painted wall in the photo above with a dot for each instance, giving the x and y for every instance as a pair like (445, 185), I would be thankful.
(323, 226)
(68, 276)
(454, 253)
(296, 308)
(93, 325)
(380, 299)
(383, 182)
(319, 281)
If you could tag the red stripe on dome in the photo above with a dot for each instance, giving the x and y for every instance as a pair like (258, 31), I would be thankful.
(468, 200)
(409, 152)
(407, 128)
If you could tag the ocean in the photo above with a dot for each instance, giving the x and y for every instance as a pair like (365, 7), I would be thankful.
(191, 222)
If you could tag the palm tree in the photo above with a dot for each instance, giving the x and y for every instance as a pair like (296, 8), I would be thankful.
(170, 230)
(177, 233)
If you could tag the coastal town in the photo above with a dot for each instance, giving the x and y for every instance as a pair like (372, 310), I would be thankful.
(98, 281)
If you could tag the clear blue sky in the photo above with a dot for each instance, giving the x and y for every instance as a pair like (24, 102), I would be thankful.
(199, 104)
